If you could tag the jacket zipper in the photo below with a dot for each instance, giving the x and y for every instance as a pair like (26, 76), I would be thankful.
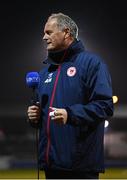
(48, 121)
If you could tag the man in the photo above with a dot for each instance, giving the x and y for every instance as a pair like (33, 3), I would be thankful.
(75, 96)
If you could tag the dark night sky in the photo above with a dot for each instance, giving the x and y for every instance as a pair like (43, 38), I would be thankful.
(102, 27)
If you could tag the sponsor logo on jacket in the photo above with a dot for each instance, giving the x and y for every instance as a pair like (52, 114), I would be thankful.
(49, 79)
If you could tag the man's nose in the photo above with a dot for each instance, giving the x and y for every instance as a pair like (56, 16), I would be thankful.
(45, 37)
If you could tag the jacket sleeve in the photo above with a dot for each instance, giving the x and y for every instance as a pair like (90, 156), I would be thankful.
(99, 105)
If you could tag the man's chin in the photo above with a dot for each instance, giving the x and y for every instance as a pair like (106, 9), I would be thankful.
(50, 48)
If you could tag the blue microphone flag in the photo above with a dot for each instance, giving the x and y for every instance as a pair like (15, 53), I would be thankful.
(32, 79)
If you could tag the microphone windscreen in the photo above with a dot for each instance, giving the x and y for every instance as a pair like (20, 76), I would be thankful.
(32, 79)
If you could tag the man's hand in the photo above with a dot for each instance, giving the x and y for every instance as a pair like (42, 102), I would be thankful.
(59, 115)
(34, 113)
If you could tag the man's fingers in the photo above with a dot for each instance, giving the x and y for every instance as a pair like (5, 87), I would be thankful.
(58, 117)
(57, 112)
(33, 107)
(33, 113)
(33, 118)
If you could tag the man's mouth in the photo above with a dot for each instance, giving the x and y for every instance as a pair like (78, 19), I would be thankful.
(48, 43)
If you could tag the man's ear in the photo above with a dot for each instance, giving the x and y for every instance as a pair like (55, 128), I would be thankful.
(67, 32)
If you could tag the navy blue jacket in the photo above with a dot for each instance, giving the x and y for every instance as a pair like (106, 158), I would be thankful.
(79, 82)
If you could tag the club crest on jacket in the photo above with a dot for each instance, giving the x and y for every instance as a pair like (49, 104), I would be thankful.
(71, 71)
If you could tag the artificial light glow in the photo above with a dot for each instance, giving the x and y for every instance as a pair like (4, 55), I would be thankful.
(115, 99)
(106, 123)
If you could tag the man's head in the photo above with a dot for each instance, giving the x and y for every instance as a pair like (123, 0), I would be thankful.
(59, 32)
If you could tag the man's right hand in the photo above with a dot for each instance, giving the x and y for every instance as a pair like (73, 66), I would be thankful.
(34, 113)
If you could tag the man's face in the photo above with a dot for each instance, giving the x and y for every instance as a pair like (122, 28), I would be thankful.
(54, 37)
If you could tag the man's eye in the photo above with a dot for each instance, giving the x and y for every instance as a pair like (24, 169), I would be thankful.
(49, 33)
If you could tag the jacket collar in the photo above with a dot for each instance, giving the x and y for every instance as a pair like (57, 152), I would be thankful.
(64, 56)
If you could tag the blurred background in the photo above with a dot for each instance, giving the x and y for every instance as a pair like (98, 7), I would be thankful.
(102, 28)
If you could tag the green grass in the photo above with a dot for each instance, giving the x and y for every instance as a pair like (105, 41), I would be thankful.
(112, 173)
(21, 174)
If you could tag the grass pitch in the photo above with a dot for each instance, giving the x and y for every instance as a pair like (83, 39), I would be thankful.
(112, 173)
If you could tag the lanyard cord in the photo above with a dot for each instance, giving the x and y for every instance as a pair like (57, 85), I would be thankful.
(51, 103)
(37, 150)
(48, 121)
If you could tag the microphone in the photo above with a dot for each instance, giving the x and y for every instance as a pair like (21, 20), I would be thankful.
(32, 81)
